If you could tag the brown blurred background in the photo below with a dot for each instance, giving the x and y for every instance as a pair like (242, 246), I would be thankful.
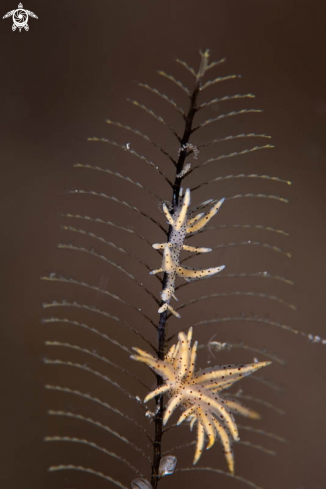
(59, 82)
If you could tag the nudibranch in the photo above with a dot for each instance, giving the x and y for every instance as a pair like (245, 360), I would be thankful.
(182, 225)
(200, 394)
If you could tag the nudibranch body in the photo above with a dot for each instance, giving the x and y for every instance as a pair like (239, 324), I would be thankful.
(200, 394)
(181, 226)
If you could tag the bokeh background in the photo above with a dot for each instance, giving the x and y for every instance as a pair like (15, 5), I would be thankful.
(59, 82)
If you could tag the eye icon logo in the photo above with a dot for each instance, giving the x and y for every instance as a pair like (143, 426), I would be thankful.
(20, 18)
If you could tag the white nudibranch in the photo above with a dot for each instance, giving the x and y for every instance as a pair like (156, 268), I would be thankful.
(182, 224)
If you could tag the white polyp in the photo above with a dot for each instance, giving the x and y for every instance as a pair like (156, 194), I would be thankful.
(141, 484)
(167, 465)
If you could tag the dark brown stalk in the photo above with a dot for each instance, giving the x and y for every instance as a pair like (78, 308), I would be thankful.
(161, 350)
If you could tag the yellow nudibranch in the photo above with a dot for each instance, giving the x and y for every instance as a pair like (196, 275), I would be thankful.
(200, 394)
(181, 226)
